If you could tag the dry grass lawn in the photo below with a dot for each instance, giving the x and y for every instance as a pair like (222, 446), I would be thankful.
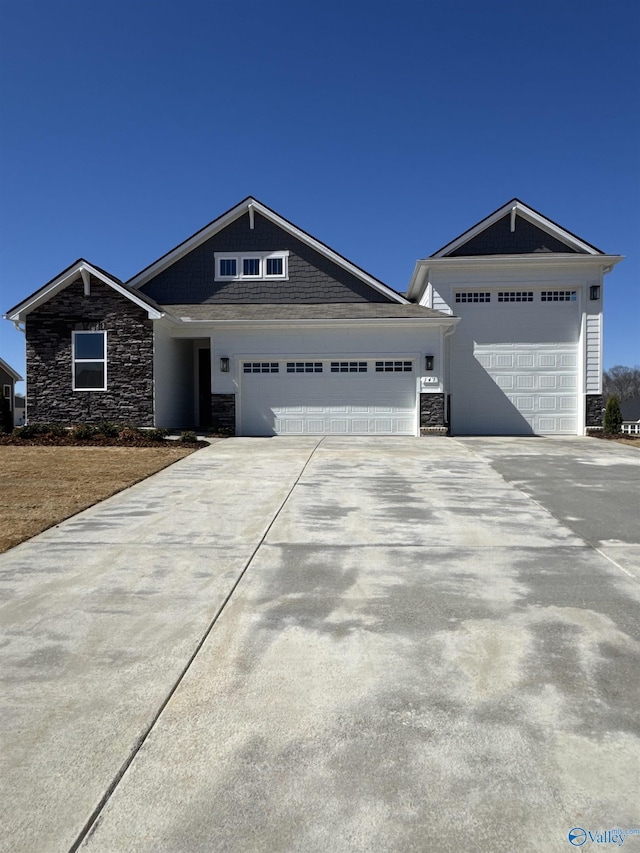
(41, 486)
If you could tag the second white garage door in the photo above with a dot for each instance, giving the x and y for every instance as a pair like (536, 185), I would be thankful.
(358, 396)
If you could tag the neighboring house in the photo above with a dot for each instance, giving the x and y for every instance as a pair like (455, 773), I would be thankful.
(630, 410)
(8, 379)
(19, 411)
(255, 326)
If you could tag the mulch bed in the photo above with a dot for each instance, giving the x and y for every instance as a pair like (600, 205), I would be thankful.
(95, 441)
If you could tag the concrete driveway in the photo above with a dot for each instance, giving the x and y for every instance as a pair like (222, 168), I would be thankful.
(331, 645)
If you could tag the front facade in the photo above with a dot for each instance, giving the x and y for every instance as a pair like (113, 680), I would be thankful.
(255, 327)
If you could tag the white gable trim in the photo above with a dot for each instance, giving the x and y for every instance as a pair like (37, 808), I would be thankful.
(517, 208)
(83, 269)
(250, 204)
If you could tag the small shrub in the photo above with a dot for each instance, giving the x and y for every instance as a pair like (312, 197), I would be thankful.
(83, 431)
(156, 434)
(108, 429)
(612, 423)
(56, 429)
(188, 437)
(31, 430)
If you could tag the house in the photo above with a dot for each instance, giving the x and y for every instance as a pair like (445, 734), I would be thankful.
(8, 379)
(630, 410)
(255, 326)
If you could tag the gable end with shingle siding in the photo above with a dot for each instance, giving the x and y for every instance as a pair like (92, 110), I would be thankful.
(129, 394)
(313, 278)
(498, 239)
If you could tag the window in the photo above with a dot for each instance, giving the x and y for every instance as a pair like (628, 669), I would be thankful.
(558, 296)
(231, 266)
(515, 296)
(89, 361)
(260, 367)
(394, 366)
(228, 267)
(348, 366)
(473, 297)
(250, 267)
(6, 393)
(304, 367)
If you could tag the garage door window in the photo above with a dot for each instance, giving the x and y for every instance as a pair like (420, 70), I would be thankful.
(558, 296)
(348, 366)
(478, 296)
(261, 367)
(515, 296)
(304, 367)
(394, 366)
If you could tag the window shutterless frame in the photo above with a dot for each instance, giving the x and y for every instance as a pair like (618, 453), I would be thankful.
(89, 361)
(256, 266)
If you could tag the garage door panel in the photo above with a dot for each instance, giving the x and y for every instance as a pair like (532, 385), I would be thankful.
(516, 389)
(358, 400)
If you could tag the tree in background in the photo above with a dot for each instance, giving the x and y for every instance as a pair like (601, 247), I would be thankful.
(622, 381)
(612, 424)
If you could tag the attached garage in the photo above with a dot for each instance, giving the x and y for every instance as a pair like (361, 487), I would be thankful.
(358, 395)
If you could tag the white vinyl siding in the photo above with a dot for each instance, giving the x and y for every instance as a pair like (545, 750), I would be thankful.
(593, 379)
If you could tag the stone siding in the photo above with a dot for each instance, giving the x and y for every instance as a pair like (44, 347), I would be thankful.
(432, 414)
(594, 405)
(50, 395)
(223, 413)
(312, 278)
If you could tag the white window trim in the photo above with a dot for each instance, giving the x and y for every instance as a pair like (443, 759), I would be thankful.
(75, 360)
(262, 257)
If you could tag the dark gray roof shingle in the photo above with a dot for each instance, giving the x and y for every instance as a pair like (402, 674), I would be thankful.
(304, 311)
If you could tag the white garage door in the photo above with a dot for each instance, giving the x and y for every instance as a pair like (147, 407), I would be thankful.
(538, 385)
(357, 396)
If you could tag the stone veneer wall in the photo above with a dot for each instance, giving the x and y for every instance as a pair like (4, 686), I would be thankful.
(432, 414)
(594, 404)
(223, 413)
(50, 395)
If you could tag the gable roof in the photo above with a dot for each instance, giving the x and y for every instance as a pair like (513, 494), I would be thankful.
(561, 239)
(8, 369)
(252, 206)
(67, 277)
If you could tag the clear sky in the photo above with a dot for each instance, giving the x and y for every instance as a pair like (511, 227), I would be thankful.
(385, 129)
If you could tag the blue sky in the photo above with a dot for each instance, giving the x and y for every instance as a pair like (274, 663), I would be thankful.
(384, 129)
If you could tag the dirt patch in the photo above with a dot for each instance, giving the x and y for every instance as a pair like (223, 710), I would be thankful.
(41, 486)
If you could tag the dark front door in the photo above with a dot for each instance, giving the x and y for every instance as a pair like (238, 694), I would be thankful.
(204, 388)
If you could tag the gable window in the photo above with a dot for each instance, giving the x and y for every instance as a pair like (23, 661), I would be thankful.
(231, 266)
(228, 267)
(250, 267)
(89, 359)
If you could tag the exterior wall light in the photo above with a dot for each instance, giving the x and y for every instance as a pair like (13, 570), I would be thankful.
(594, 291)
(428, 362)
(224, 365)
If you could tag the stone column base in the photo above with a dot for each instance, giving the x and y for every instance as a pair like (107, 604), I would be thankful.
(223, 413)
